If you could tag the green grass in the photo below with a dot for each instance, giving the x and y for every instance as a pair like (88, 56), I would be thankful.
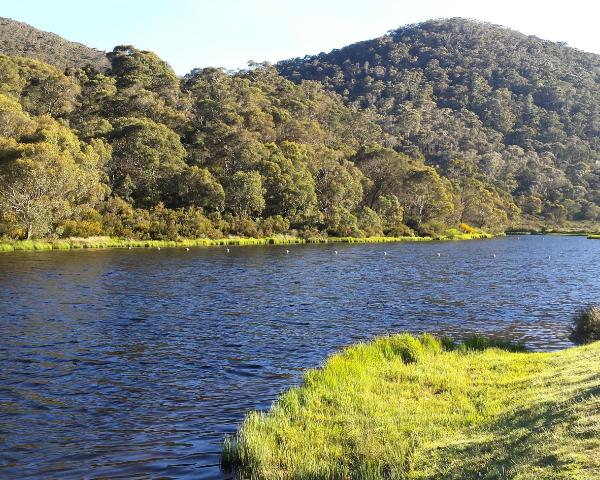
(407, 408)
(109, 242)
(594, 237)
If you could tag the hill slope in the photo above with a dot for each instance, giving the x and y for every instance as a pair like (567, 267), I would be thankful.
(21, 39)
(480, 100)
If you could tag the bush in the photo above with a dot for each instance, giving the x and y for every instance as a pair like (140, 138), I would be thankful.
(194, 224)
(276, 225)
(432, 228)
(243, 226)
(466, 228)
(82, 228)
(453, 233)
(586, 326)
(400, 230)
(369, 222)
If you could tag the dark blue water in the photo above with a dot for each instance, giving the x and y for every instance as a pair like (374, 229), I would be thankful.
(134, 364)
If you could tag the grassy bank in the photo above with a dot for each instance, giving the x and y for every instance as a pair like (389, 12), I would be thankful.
(108, 242)
(594, 237)
(407, 408)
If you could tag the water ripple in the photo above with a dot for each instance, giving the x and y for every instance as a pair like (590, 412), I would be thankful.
(135, 364)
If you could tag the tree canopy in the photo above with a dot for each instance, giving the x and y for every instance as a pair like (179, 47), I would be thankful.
(434, 125)
(521, 115)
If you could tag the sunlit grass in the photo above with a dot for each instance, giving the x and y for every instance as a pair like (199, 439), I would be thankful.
(407, 408)
(109, 242)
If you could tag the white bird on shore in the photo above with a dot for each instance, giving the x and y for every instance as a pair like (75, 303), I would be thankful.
(439, 254)
(336, 252)
(158, 248)
(385, 253)
(227, 250)
(494, 255)
(128, 248)
(287, 251)
(187, 249)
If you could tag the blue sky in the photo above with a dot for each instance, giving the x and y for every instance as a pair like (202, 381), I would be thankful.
(228, 33)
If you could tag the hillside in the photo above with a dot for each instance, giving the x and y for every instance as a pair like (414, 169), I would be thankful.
(17, 38)
(441, 129)
(483, 101)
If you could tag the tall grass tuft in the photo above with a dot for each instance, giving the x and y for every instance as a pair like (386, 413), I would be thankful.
(480, 343)
(586, 326)
(402, 407)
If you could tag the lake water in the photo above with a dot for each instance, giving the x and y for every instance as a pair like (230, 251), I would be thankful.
(135, 364)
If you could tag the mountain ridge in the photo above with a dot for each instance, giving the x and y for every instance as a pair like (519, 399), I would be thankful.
(21, 39)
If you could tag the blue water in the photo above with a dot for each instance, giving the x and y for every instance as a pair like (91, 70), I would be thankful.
(134, 364)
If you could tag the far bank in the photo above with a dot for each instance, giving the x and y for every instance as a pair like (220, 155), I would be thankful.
(110, 242)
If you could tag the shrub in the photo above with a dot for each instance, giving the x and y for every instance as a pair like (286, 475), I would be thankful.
(276, 225)
(194, 224)
(164, 223)
(82, 228)
(586, 326)
(243, 226)
(466, 228)
(400, 230)
(453, 233)
(432, 228)
(369, 222)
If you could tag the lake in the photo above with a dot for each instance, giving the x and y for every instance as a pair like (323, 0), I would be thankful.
(136, 363)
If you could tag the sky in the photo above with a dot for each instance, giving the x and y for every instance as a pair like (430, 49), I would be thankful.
(229, 33)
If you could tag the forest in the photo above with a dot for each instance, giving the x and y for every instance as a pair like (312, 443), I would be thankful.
(433, 126)
(484, 105)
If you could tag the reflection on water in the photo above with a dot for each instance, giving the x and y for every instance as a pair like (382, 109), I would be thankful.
(134, 364)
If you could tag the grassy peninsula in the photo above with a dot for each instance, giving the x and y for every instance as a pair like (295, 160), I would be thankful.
(402, 407)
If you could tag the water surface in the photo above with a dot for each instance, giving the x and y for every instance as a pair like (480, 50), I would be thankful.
(134, 364)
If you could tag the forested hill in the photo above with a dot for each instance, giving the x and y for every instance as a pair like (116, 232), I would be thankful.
(435, 128)
(480, 101)
(17, 38)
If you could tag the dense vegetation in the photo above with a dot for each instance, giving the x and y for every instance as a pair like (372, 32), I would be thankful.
(17, 38)
(408, 408)
(136, 152)
(133, 151)
(484, 105)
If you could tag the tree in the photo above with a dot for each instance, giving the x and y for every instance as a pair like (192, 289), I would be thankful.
(480, 206)
(369, 222)
(425, 196)
(385, 168)
(391, 213)
(146, 161)
(46, 90)
(14, 122)
(289, 186)
(245, 194)
(197, 187)
(146, 87)
(41, 182)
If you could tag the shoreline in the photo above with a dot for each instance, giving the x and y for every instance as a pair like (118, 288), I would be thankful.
(422, 407)
(116, 243)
